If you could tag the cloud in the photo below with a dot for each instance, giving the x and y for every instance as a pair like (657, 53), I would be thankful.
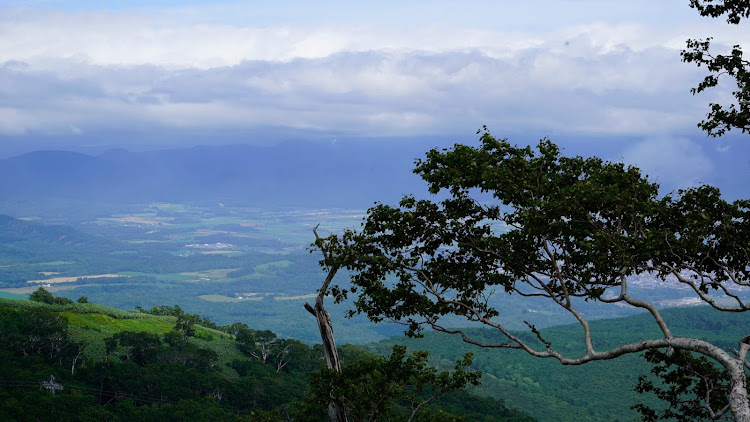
(63, 71)
(671, 162)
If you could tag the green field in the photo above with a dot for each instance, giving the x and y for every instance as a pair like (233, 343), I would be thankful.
(108, 324)
(276, 264)
(12, 296)
(226, 299)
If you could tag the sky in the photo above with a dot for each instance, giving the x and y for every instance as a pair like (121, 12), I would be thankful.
(603, 76)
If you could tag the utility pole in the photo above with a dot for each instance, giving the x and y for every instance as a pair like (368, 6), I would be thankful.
(51, 385)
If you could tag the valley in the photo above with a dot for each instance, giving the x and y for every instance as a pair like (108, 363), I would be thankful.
(229, 262)
(236, 264)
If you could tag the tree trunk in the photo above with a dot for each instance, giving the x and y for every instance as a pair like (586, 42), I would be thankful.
(336, 413)
(738, 400)
(326, 334)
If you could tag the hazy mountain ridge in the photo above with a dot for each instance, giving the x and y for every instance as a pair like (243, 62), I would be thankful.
(289, 174)
(12, 228)
(353, 173)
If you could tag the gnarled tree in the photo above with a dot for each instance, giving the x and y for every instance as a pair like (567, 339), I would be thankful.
(722, 117)
(561, 228)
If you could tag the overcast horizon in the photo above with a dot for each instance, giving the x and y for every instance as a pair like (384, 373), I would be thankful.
(600, 77)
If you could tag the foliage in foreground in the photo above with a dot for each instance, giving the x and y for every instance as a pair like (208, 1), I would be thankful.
(693, 388)
(179, 374)
(566, 229)
(722, 117)
(369, 388)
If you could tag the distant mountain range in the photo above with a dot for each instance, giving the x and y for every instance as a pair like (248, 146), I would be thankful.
(289, 174)
(299, 174)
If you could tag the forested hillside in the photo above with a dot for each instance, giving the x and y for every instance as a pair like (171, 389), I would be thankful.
(599, 391)
(85, 362)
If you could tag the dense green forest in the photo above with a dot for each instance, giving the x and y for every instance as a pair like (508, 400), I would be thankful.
(598, 391)
(65, 360)
(119, 365)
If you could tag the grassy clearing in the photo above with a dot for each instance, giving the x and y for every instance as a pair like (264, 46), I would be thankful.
(44, 264)
(221, 253)
(310, 296)
(274, 264)
(31, 289)
(110, 325)
(220, 298)
(93, 328)
(142, 219)
(217, 273)
(168, 207)
(83, 308)
(69, 279)
(164, 277)
(208, 232)
(7, 295)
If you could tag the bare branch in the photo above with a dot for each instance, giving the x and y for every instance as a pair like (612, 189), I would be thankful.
(538, 334)
(742, 307)
(644, 305)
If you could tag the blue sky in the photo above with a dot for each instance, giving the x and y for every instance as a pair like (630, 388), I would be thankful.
(151, 74)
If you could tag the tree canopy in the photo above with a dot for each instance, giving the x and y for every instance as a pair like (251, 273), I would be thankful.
(556, 227)
(722, 117)
(393, 389)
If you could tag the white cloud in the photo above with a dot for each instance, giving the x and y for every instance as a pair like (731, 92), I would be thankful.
(109, 38)
(77, 70)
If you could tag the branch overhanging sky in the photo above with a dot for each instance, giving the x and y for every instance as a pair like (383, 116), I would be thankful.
(82, 72)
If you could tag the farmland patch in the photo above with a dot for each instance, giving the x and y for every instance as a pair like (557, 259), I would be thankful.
(69, 279)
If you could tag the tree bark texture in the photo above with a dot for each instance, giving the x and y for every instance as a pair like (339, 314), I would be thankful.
(335, 413)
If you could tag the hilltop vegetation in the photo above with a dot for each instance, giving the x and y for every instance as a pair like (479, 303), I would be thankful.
(165, 364)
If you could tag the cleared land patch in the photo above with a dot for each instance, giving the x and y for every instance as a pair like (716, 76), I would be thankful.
(310, 296)
(221, 298)
(207, 232)
(274, 264)
(137, 220)
(108, 324)
(43, 264)
(32, 289)
(217, 273)
(6, 295)
(74, 278)
(158, 276)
